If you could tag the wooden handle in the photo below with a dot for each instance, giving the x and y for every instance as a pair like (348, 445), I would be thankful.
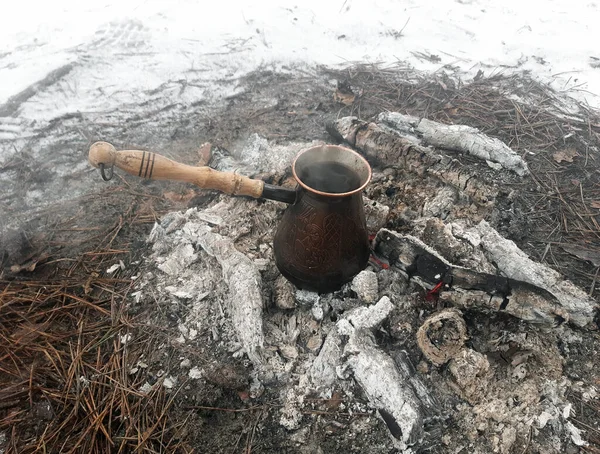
(153, 166)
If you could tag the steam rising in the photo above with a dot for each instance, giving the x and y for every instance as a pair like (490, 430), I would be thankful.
(331, 177)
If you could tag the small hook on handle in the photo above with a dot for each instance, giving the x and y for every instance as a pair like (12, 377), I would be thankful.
(104, 177)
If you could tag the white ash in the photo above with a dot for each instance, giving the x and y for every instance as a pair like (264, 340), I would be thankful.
(376, 215)
(339, 304)
(115, 267)
(284, 329)
(169, 382)
(314, 343)
(370, 317)
(284, 293)
(532, 402)
(543, 419)
(461, 138)
(507, 440)
(257, 389)
(172, 222)
(289, 352)
(322, 307)
(376, 373)
(588, 392)
(366, 287)
(175, 253)
(392, 282)
(472, 374)
(441, 204)
(520, 399)
(137, 296)
(195, 373)
(317, 311)
(244, 281)
(241, 216)
(187, 332)
(387, 391)
(179, 260)
(466, 246)
(262, 156)
(293, 400)
(493, 165)
(323, 370)
(145, 388)
(179, 293)
(365, 317)
(575, 434)
(343, 355)
(302, 437)
(439, 235)
(519, 373)
(212, 215)
(306, 298)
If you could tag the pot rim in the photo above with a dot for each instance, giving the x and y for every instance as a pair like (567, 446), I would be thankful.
(333, 194)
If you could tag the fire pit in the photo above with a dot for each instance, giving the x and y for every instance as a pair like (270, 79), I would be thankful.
(453, 338)
(449, 321)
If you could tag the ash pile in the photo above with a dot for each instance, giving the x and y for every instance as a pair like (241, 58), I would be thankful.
(451, 340)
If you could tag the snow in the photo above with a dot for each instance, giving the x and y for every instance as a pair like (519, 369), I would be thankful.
(123, 50)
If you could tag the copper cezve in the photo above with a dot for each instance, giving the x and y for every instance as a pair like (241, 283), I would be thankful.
(321, 242)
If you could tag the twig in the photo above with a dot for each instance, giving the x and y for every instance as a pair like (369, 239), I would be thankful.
(593, 286)
(528, 440)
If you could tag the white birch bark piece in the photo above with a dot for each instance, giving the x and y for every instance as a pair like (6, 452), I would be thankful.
(462, 138)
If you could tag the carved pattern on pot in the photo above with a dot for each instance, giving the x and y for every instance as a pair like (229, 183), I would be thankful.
(318, 246)
(322, 243)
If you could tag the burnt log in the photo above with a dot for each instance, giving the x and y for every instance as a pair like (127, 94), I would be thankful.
(470, 289)
(462, 138)
(391, 384)
(430, 405)
(384, 145)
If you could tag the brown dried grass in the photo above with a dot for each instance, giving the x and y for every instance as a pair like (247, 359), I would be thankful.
(65, 382)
